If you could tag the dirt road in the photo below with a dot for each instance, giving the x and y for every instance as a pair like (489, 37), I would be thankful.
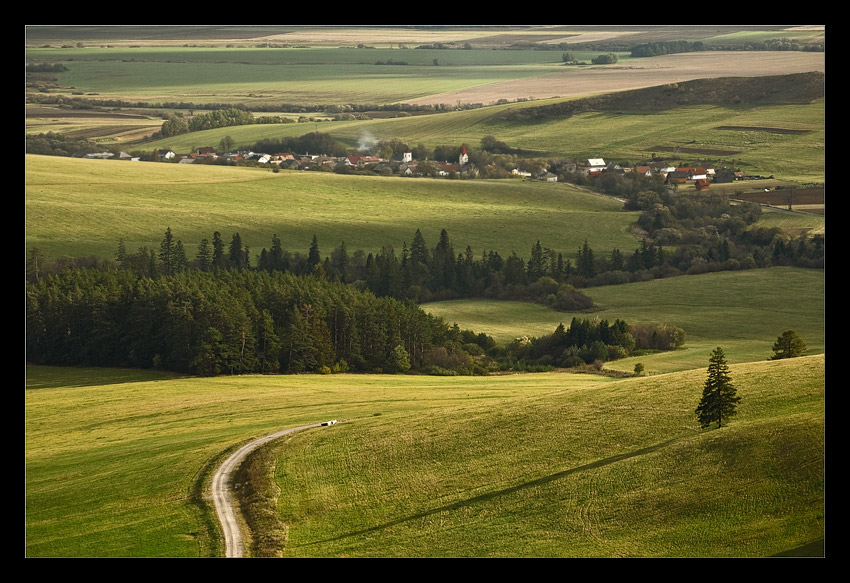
(223, 497)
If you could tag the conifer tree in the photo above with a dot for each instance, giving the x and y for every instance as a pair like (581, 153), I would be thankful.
(166, 252)
(204, 255)
(218, 260)
(314, 257)
(236, 255)
(179, 261)
(719, 396)
(788, 345)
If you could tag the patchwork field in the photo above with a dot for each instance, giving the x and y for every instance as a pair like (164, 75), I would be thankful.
(321, 75)
(635, 74)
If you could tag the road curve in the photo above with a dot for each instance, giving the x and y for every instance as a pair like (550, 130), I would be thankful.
(223, 497)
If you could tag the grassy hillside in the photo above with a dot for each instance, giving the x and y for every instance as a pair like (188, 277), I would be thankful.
(688, 133)
(138, 201)
(744, 311)
(520, 465)
(615, 470)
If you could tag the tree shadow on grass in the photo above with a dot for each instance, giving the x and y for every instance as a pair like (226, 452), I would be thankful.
(505, 491)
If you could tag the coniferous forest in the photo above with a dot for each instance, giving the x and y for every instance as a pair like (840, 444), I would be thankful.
(250, 321)
(218, 314)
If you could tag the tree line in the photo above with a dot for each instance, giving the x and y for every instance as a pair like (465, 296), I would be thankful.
(227, 321)
(248, 322)
(176, 125)
(687, 235)
(654, 49)
(419, 272)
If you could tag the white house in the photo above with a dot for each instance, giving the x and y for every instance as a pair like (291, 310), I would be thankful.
(595, 165)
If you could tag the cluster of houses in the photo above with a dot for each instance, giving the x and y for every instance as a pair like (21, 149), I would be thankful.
(700, 177)
(404, 164)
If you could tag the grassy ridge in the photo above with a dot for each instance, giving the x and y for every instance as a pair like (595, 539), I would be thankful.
(138, 201)
(115, 460)
(522, 465)
(612, 470)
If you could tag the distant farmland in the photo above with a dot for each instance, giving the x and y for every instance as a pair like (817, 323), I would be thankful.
(638, 73)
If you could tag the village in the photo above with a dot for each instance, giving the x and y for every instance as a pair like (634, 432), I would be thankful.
(404, 164)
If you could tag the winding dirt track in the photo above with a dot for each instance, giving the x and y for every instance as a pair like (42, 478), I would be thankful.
(223, 497)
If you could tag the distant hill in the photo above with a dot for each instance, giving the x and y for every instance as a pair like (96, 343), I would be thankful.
(800, 88)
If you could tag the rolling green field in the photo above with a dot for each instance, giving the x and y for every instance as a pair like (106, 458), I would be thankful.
(518, 465)
(118, 462)
(606, 470)
(138, 201)
(745, 311)
(553, 464)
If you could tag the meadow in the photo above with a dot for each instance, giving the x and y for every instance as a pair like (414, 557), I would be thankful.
(745, 311)
(137, 202)
(605, 470)
(449, 466)
(118, 462)
(520, 465)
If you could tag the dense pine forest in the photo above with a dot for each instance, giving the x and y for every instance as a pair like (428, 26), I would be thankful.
(233, 322)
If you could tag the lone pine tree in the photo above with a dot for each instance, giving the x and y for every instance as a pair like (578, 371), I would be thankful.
(719, 396)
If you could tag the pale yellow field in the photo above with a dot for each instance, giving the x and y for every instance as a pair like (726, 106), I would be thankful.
(637, 74)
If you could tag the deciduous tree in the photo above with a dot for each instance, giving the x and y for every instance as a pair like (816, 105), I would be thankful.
(788, 345)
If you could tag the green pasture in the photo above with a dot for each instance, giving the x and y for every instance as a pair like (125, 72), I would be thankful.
(743, 311)
(79, 207)
(433, 129)
(517, 465)
(793, 222)
(116, 460)
(272, 56)
(609, 470)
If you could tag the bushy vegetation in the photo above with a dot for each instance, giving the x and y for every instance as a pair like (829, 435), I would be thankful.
(314, 142)
(605, 59)
(46, 68)
(590, 342)
(53, 144)
(176, 125)
(666, 48)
